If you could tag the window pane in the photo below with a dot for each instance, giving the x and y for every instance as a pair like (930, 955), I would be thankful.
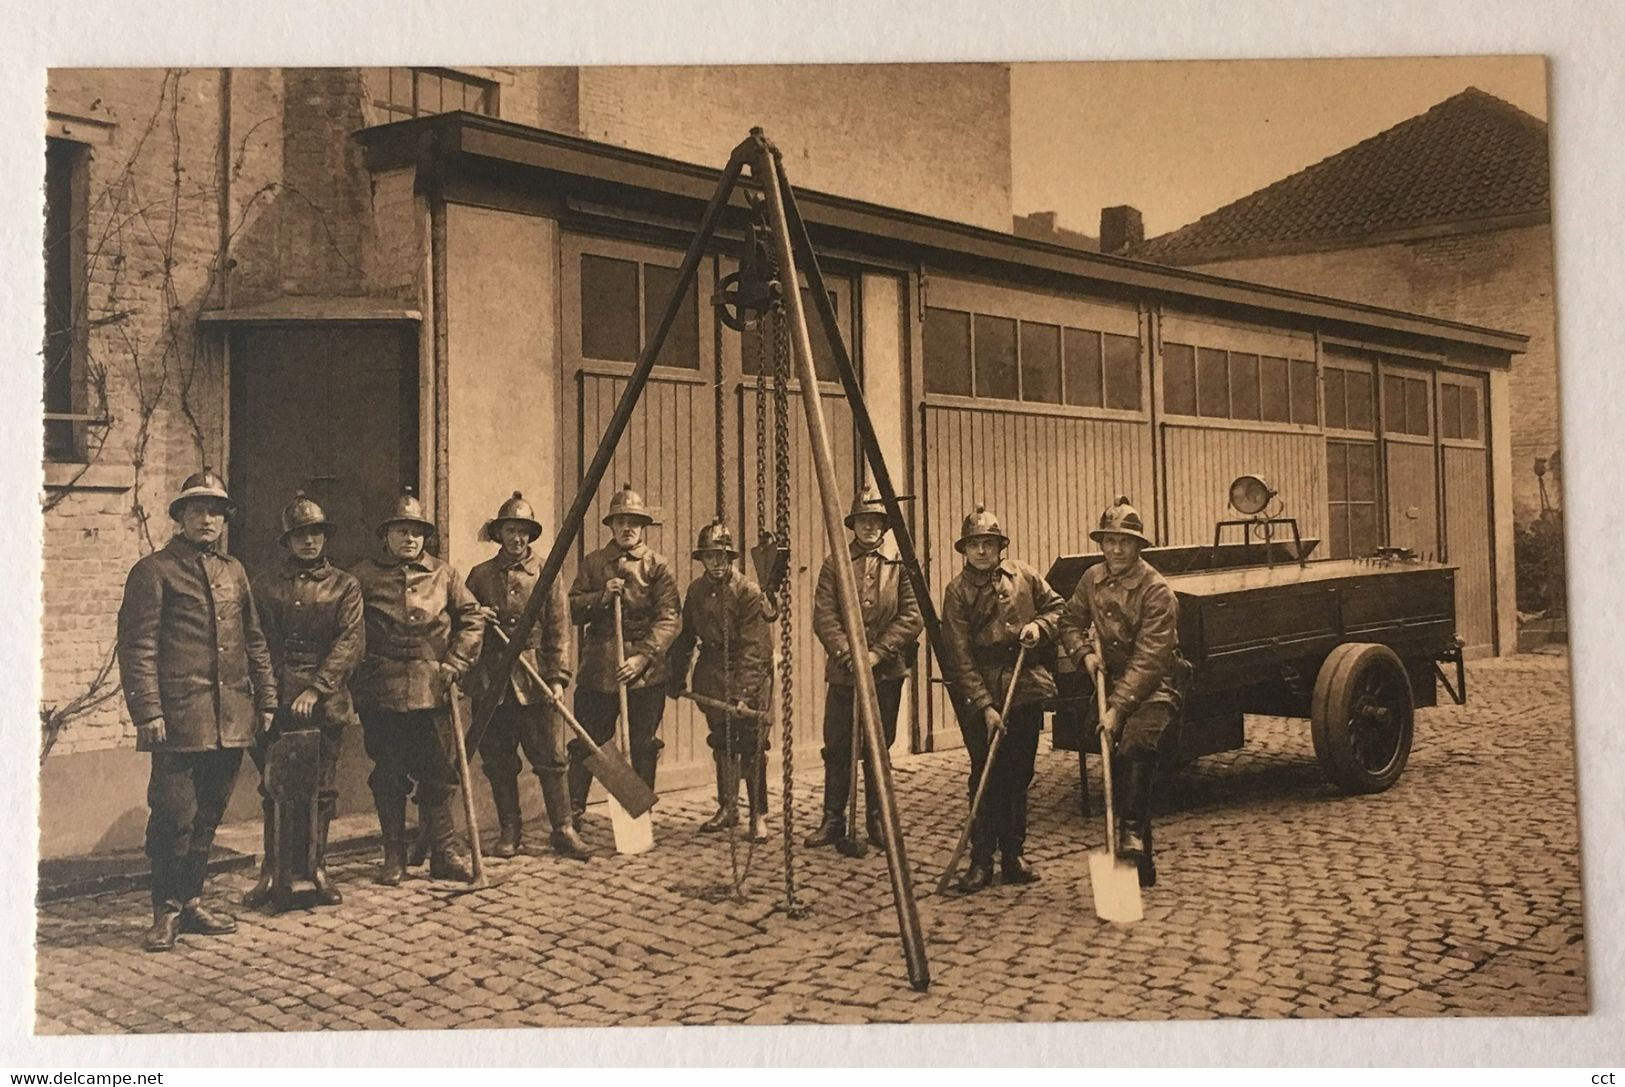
(1084, 385)
(1362, 472)
(1361, 409)
(1122, 372)
(682, 346)
(1304, 409)
(609, 308)
(1338, 535)
(1469, 413)
(1416, 407)
(1337, 471)
(1363, 539)
(1275, 402)
(823, 353)
(1243, 386)
(1041, 363)
(1178, 379)
(947, 352)
(1449, 411)
(1212, 383)
(1393, 404)
(1336, 399)
(996, 357)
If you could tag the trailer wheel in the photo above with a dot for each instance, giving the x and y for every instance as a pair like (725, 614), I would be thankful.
(1362, 717)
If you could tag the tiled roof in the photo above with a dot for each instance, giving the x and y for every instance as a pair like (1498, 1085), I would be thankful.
(1471, 157)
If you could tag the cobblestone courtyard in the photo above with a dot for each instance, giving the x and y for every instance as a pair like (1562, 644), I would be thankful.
(1455, 893)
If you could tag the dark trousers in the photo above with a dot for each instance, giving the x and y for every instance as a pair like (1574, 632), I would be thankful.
(736, 736)
(1002, 821)
(598, 710)
(839, 723)
(406, 749)
(187, 793)
(536, 730)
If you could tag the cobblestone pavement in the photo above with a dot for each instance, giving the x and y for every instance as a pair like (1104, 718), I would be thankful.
(1455, 893)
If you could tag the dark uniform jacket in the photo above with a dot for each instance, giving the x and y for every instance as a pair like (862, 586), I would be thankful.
(419, 615)
(650, 614)
(504, 585)
(729, 623)
(1138, 617)
(191, 651)
(312, 617)
(891, 615)
(982, 617)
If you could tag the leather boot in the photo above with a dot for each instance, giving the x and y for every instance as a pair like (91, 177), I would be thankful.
(417, 849)
(830, 831)
(644, 762)
(977, 877)
(392, 825)
(580, 783)
(1016, 868)
(1133, 812)
(511, 838)
(727, 814)
(983, 842)
(566, 842)
(260, 893)
(326, 893)
(166, 925)
(197, 918)
(447, 858)
(756, 791)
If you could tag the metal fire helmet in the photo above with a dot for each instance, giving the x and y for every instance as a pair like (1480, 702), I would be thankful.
(204, 484)
(866, 501)
(408, 510)
(304, 512)
(715, 536)
(980, 522)
(629, 503)
(514, 509)
(1121, 519)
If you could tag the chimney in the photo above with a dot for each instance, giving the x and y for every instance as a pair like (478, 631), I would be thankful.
(1121, 228)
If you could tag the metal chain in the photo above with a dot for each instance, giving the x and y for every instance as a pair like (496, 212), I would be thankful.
(781, 501)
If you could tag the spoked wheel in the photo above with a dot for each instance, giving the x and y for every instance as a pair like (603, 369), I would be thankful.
(1362, 717)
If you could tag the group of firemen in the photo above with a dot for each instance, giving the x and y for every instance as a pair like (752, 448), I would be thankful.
(213, 665)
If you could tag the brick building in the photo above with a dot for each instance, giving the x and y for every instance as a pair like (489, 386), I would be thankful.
(343, 280)
(1448, 214)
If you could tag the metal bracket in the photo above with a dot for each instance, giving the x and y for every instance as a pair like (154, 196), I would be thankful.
(1457, 692)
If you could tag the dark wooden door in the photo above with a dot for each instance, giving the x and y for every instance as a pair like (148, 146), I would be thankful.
(329, 411)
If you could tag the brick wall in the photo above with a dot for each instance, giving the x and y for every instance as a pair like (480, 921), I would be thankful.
(1499, 279)
(927, 138)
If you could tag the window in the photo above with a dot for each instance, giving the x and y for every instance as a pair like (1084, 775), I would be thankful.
(1458, 410)
(403, 93)
(64, 292)
(1217, 384)
(1351, 477)
(1405, 405)
(1002, 358)
(1350, 400)
(622, 302)
(823, 352)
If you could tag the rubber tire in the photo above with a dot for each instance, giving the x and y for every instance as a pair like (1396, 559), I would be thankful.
(1339, 676)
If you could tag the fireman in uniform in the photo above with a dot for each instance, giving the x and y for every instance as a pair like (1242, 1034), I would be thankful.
(312, 615)
(1137, 616)
(725, 614)
(199, 685)
(625, 567)
(990, 609)
(892, 624)
(524, 718)
(423, 632)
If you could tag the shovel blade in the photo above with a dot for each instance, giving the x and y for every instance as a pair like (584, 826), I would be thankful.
(633, 833)
(620, 781)
(1115, 884)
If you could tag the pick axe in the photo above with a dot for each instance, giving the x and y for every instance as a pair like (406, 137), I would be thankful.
(987, 772)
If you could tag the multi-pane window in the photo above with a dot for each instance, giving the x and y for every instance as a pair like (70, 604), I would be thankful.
(64, 294)
(1405, 405)
(1351, 478)
(402, 93)
(1459, 410)
(1212, 383)
(1351, 402)
(1038, 362)
(823, 351)
(621, 304)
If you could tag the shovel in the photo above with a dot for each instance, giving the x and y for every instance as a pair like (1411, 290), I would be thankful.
(633, 833)
(607, 764)
(1114, 881)
(987, 772)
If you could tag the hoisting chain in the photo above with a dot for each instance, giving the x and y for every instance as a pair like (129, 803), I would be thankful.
(781, 500)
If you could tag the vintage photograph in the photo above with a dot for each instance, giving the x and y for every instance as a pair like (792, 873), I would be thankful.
(842, 544)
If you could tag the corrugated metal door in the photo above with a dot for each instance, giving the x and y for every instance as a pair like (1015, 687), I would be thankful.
(1467, 516)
